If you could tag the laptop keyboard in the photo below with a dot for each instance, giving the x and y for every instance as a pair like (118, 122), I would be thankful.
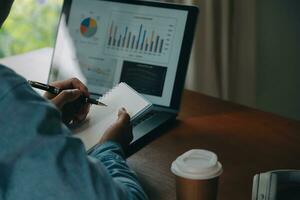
(143, 118)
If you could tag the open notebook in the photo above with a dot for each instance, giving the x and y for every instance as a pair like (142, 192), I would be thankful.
(100, 118)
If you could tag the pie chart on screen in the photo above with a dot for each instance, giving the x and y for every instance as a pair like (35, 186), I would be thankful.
(88, 27)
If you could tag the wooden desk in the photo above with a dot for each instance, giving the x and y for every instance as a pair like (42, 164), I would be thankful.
(247, 142)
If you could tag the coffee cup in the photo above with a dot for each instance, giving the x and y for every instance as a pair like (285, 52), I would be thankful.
(197, 175)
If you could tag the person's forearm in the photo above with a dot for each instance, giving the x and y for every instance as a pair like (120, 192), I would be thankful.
(112, 157)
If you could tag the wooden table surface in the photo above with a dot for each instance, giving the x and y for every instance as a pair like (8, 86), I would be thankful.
(246, 141)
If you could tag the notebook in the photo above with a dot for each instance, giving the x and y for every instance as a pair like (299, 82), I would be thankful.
(100, 117)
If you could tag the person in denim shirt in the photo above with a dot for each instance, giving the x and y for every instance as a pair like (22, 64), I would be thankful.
(38, 158)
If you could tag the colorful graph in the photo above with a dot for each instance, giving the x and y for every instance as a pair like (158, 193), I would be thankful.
(140, 37)
(88, 27)
(143, 40)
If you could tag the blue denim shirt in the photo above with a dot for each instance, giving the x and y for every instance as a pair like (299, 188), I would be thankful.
(40, 161)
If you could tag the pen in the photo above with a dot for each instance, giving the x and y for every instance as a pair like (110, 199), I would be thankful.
(56, 91)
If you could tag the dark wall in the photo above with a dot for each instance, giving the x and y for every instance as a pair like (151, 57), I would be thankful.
(278, 57)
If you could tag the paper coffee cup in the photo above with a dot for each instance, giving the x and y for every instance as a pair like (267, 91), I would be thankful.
(197, 174)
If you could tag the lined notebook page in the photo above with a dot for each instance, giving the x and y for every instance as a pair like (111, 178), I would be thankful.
(100, 118)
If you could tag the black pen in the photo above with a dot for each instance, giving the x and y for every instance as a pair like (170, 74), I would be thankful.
(56, 91)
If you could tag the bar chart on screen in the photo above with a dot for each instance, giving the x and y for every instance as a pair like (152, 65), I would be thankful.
(141, 37)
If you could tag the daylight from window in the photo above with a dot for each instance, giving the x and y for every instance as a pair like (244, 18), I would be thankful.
(31, 25)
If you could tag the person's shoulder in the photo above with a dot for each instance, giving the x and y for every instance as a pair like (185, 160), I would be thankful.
(9, 80)
(8, 73)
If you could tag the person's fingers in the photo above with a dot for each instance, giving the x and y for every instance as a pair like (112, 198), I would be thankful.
(82, 114)
(120, 131)
(123, 116)
(65, 84)
(66, 96)
(72, 83)
(124, 121)
(78, 119)
(85, 109)
(76, 83)
(122, 112)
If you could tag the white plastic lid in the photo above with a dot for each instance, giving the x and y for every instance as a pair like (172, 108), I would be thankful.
(197, 164)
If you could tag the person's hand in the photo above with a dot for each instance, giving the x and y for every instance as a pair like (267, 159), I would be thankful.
(73, 110)
(120, 132)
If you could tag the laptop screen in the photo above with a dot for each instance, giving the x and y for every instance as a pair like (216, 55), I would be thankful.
(104, 43)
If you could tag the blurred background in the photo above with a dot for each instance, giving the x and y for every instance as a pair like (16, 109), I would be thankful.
(244, 51)
(31, 25)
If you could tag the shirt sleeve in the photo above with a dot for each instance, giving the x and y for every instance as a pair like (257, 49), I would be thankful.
(38, 159)
(112, 157)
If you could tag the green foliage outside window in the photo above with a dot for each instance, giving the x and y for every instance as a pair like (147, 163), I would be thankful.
(32, 24)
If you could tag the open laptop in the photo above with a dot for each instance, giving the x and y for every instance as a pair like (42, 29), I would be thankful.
(145, 44)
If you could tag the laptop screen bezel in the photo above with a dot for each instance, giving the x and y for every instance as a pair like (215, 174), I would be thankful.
(185, 48)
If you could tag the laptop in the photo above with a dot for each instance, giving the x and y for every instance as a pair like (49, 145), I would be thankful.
(142, 43)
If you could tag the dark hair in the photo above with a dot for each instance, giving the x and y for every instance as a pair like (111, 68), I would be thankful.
(5, 6)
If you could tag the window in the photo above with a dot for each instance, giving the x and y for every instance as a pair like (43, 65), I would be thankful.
(32, 24)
